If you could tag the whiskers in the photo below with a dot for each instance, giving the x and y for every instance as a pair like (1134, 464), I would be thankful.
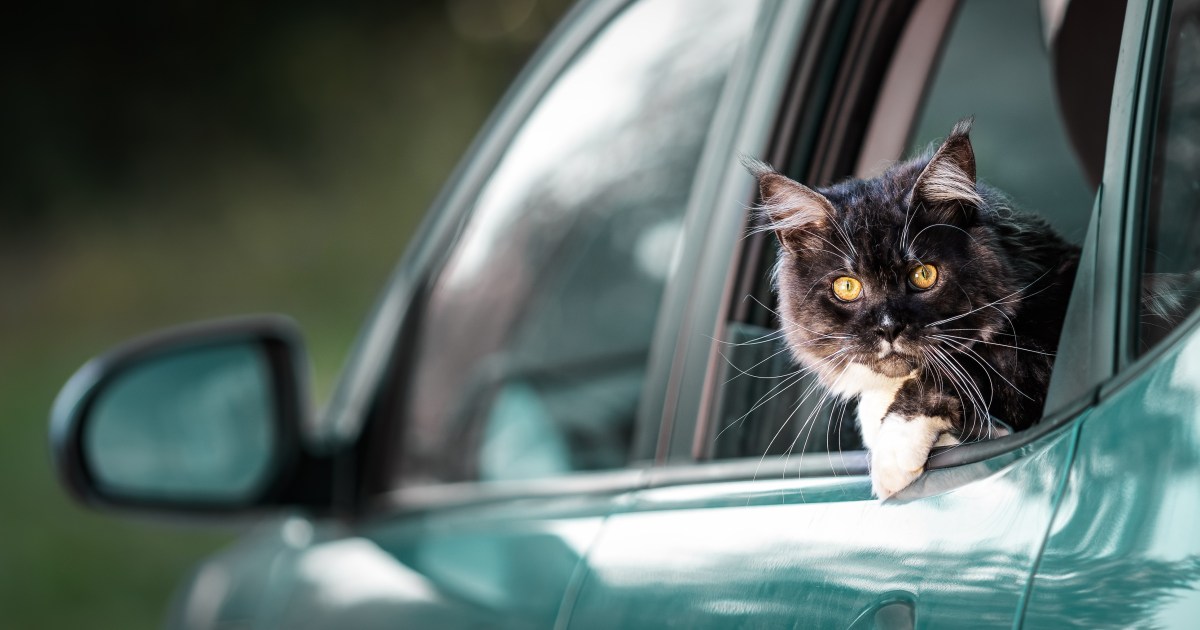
(1011, 298)
(834, 361)
(964, 373)
(944, 365)
(792, 406)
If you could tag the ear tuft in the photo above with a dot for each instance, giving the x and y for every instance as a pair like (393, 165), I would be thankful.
(756, 167)
(949, 178)
(787, 205)
(963, 127)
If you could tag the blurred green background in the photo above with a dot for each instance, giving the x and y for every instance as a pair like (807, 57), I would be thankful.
(169, 162)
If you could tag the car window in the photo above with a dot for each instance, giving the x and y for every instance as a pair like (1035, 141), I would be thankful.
(533, 343)
(1171, 255)
(994, 65)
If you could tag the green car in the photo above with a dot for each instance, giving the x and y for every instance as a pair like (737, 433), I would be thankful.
(565, 410)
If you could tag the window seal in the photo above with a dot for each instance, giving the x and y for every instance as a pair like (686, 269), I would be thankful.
(440, 496)
(660, 392)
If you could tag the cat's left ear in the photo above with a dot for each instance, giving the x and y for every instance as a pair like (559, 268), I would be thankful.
(789, 207)
(946, 186)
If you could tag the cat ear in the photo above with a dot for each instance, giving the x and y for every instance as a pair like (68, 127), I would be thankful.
(787, 205)
(947, 184)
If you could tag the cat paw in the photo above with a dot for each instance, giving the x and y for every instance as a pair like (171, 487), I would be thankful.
(901, 448)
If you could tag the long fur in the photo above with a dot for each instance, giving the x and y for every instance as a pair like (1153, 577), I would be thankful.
(979, 343)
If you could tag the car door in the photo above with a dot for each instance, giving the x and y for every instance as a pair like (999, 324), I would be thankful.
(494, 418)
(754, 522)
(1123, 550)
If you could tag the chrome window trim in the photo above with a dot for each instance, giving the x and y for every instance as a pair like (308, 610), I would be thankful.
(465, 493)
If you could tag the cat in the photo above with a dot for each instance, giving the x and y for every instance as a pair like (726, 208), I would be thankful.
(924, 295)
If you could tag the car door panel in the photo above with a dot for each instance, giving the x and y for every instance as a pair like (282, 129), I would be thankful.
(1123, 550)
(234, 588)
(956, 549)
(487, 564)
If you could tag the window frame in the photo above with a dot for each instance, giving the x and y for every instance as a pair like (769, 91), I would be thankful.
(1103, 305)
(1129, 363)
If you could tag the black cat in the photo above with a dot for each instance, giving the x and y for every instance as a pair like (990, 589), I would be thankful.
(925, 295)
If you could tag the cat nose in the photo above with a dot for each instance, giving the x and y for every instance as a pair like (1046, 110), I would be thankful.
(889, 330)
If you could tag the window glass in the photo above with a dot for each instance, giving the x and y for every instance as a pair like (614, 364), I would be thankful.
(994, 66)
(533, 345)
(1171, 258)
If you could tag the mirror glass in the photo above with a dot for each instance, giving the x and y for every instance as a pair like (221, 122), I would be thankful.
(195, 424)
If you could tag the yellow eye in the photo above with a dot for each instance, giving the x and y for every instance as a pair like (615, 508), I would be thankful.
(923, 277)
(847, 289)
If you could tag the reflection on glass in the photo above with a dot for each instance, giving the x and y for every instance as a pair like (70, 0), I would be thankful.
(1171, 285)
(534, 342)
(191, 425)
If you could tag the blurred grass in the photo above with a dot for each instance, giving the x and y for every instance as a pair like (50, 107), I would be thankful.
(300, 206)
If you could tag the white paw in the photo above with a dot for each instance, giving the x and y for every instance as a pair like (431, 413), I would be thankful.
(901, 447)
(947, 439)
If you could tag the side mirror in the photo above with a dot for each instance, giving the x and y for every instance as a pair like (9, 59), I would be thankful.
(202, 418)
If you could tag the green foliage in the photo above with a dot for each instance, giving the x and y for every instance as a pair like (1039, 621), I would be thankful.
(168, 165)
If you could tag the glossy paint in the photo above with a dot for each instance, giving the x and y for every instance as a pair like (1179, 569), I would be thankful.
(508, 565)
(952, 551)
(487, 564)
(1124, 549)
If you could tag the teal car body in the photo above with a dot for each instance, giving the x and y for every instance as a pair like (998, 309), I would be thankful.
(395, 507)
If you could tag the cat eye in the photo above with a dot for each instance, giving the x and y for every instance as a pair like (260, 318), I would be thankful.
(922, 277)
(847, 289)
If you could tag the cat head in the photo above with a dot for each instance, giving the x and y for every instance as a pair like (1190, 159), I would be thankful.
(888, 273)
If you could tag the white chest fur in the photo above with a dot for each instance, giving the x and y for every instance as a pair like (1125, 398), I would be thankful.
(875, 395)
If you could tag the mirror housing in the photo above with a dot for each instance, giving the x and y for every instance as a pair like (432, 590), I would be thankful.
(204, 418)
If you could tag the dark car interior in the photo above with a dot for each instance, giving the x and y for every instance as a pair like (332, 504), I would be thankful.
(1041, 115)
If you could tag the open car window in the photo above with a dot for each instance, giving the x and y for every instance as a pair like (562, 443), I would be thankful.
(995, 65)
